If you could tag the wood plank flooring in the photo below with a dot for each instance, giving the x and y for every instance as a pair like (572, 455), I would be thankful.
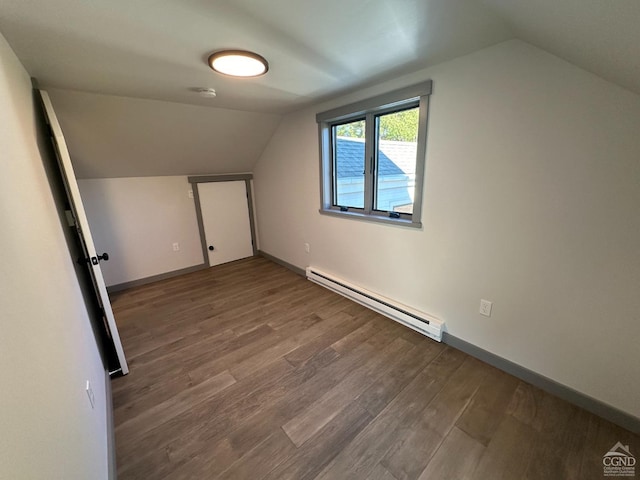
(248, 371)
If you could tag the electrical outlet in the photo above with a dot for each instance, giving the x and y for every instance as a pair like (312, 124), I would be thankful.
(92, 398)
(307, 248)
(190, 193)
(485, 308)
(176, 247)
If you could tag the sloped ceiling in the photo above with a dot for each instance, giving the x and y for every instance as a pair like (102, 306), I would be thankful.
(600, 36)
(110, 136)
(157, 51)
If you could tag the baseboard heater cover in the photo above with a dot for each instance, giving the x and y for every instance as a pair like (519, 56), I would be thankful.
(421, 322)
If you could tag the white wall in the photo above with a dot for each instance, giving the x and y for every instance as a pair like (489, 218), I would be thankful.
(47, 348)
(531, 201)
(137, 220)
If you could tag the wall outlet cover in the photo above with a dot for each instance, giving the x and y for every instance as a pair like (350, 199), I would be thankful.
(485, 307)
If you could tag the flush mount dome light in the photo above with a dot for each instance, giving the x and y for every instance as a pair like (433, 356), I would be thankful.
(238, 63)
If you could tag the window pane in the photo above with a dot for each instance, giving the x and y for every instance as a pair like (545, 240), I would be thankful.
(396, 151)
(349, 164)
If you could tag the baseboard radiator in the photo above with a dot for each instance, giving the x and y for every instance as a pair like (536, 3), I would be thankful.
(419, 321)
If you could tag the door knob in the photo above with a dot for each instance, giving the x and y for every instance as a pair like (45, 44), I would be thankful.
(211, 247)
(93, 260)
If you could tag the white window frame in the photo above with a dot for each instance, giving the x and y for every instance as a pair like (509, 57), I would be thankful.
(369, 109)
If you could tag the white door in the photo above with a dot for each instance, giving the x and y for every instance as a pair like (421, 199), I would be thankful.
(225, 217)
(84, 234)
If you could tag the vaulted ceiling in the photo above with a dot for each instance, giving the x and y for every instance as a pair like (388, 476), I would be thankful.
(148, 49)
(151, 49)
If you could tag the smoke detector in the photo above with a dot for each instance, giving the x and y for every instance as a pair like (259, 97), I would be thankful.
(207, 92)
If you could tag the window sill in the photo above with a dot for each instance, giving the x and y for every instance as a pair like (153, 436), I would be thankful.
(398, 222)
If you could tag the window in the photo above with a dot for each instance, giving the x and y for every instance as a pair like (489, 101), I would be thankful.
(372, 157)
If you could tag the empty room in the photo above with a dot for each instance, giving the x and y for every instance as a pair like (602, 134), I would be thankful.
(362, 239)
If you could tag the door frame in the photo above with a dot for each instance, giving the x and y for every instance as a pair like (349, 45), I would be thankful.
(247, 178)
(83, 231)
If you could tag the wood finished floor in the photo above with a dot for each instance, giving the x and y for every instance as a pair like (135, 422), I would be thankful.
(248, 371)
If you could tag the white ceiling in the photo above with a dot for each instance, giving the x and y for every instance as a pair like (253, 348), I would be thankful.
(157, 49)
(600, 36)
(111, 136)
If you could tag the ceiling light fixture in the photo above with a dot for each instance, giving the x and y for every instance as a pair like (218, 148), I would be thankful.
(238, 63)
